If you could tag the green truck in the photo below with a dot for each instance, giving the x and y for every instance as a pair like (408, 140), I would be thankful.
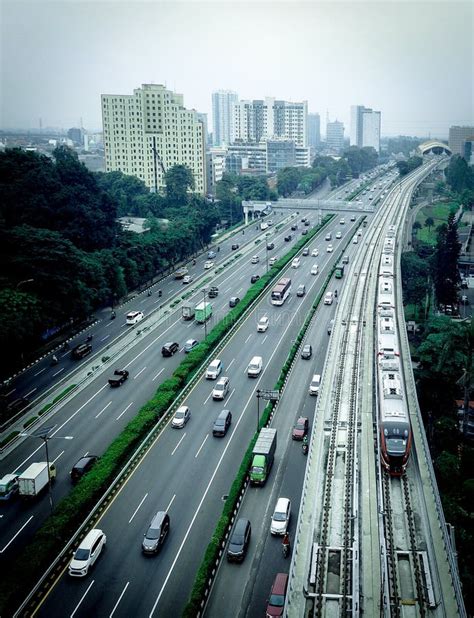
(202, 312)
(339, 271)
(262, 455)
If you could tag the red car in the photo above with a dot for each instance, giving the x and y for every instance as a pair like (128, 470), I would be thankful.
(300, 429)
(276, 602)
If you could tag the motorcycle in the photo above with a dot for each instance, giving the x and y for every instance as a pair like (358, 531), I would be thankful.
(305, 448)
(149, 293)
(113, 315)
(89, 338)
(54, 360)
(285, 546)
(194, 262)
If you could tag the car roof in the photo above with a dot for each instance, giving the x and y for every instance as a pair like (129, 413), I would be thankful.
(90, 538)
(279, 584)
(158, 519)
(241, 524)
(282, 503)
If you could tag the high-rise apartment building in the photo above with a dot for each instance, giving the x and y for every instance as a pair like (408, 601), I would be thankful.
(458, 137)
(150, 131)
(259, 120)
(314, 131)
(222, 110)
(365, 127)
(335, 136)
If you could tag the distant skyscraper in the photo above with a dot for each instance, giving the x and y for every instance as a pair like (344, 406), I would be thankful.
(365, 127)
(314, 131)
(261, 120)
(203, 118)
(75, 135)
(148, 132)
(222, 111)
(335, 136)
(458, 137)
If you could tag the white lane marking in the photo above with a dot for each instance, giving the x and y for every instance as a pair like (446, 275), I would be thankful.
(56, 459)
(119, 599)
(103, 409)
(122, 413)
(264, 339)
(40, 371)
(109, 324)
(104, 338)
(208, 397)
(190, 324)
(82, 598)
(14, 536)
(199, 449)
(159, 372)
(61, 426)
(228, 290)
(141, 371)
(28, 394)
(136, 510)
(171, 502)
(232, 361)
(65, 354)
(58, 372)
(175, 448)
(228, 398)
(239, 290)
(249, 337)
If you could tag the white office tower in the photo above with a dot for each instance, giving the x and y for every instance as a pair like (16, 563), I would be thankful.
(222, 110)
(150, 131)
(263, 119)
(365, 127)
(335, 136)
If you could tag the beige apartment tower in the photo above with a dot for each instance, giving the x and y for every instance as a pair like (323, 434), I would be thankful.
(148, 132)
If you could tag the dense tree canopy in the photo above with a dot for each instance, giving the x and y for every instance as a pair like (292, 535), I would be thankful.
(445, 263)
(405, 167)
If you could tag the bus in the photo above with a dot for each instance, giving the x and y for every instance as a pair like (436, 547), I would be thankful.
(280, 291)
(339, 271)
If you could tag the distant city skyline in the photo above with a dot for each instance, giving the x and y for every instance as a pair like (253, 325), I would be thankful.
(413, 61)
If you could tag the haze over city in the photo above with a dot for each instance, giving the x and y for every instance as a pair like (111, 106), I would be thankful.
(412, 61)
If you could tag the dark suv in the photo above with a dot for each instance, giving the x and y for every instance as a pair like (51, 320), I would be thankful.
(213, 291)
(82, 467)
(222, 423)
(239, 541)
(156, 534)
(81, 350)
(170, 348)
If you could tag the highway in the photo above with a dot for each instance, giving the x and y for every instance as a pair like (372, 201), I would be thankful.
(188, 472)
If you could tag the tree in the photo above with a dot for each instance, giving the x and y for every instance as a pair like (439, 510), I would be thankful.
(445, 263)
(415, 278)
(179, 181)
(429, 222)
(416, 226)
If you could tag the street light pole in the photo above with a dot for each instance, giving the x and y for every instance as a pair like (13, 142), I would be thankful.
(258, 408)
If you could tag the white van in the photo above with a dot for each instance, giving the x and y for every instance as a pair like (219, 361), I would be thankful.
(255, 367)
(133, 317)
(296, 263)
(314, 386)
(214, 369)
(87, 553)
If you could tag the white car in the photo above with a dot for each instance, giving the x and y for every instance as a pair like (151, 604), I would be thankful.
(188, 279)
(329, 249)
(87, 553)
(328, 298)
(263, 324)
(315, 253)
(296, 263)
(221, 389)
(181, 417)
(355, 241)
(272, 260)
(342, 221)
(281, 517)
(255, 259)
(338, 235)
(208, 264)
(134, 316)
(315, 269)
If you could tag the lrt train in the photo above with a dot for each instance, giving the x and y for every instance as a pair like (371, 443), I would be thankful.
(394, 421)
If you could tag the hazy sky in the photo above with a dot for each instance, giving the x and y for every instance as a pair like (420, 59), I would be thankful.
(413, 61)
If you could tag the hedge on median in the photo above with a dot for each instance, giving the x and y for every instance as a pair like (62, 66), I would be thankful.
(73, 509)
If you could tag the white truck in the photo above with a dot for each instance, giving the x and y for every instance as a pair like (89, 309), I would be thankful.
(35, 478)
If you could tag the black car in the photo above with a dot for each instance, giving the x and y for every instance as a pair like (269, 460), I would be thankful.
(239, 540)
(170, 348)
(304, 232)
(213, 291)
(306, 223)
(294, 227)
(234, 246)
(81, 467)
(288, 238)
(307, 351)
(234, 301)
(81, 350)
(270, 246)
(254, 278)
(222, 423)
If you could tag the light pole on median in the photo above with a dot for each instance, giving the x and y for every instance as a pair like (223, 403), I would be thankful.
(43, 434)
(205, 313)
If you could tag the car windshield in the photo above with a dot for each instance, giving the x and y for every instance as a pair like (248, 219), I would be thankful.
(277, 600)
(279, 516)
(153, 534)
(300, 425)
(219, 422)
(219, 387)
(179, 414)
(81, 554)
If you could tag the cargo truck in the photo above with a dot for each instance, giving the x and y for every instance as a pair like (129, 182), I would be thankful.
(35, 478)
(187, 312)
(202, 312)
(262, 455)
